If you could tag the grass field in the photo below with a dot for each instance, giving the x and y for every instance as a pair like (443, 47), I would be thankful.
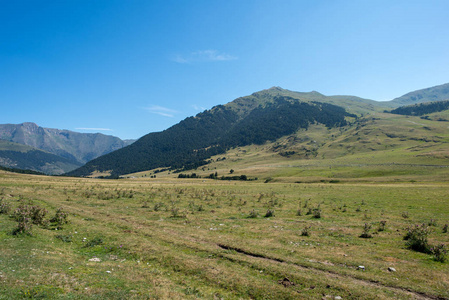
(168, 238)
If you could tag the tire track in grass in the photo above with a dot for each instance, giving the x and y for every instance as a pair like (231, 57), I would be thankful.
(409, 292)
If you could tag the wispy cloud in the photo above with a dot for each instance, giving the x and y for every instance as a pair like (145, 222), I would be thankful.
(93, 129)
(162, 111)
(198, 108)
(202, 56)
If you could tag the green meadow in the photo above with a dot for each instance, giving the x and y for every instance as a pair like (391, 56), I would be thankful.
(286, 237)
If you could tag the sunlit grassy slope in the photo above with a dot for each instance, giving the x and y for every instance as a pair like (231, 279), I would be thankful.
(379, 146)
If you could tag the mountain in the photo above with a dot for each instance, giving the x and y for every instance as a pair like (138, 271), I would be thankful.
(254, 119)
(436, 93)
(18, 156)
(265, 117)
(77, 147)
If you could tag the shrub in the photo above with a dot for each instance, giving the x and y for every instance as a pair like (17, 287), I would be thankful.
(24, 226)
(176, 213)
(432, 222)
(439, 252)
(382, 226)
(306, 231)
(366, 234)
(21, 213)
(317, 213)
(94, 242)
(64, 238)
(158, 206)
(60, 218)
(416, 238)
(270, 213)
(38, 215)
(4, 207)
(405, 215)
(445, 228)
(252, 214)
(299, 212)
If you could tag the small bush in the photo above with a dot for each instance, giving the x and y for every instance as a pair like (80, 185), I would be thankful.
(439, 252)
(366, 234)
(268, 179)
(416, 238)
(24, 226)
(445, 228)
(158, 206)
(252, 214)
(382, 226)
(21, 213)
(317, 213)
(432, 222)
(306, 231)
(299, 212)
(94, 242)
(270, 213)
(4, 207)
(38, 215)
(174, 212)
(64, 238)
(405, 215)
(60, 218)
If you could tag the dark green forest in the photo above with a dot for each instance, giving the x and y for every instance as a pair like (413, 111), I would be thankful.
(422, 108)
(188, 144)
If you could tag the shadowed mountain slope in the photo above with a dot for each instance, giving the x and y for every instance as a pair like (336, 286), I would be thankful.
(77, 147)
(19, 156)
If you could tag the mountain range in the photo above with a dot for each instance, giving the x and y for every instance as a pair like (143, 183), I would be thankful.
(263, 117)
(52, 151)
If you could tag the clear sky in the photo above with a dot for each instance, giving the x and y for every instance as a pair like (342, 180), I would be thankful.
(127, 68)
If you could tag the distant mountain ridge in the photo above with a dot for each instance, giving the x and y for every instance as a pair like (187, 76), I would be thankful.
(77, 147)
(435, 93)
(19, 156)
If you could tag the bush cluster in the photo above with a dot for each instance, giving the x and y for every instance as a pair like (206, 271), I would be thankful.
(29, 215)
(416, 238)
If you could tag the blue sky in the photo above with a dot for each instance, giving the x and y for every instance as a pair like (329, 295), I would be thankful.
(127, 68)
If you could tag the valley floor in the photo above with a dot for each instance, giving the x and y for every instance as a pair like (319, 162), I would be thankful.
(168, 238)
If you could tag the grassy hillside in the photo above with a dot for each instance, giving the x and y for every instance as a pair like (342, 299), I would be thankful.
(208, 239)
(436, 93)
(352, 104)
(376, 147)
